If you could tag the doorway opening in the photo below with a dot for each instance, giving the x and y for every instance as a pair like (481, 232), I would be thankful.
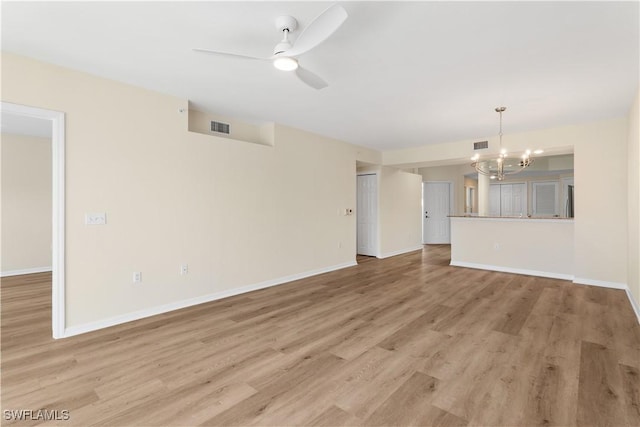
(57, 122)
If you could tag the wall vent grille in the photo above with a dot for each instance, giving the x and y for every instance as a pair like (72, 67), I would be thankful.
(220, 127)
(480, 145)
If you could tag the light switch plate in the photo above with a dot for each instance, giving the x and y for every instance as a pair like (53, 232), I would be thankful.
(99, 218)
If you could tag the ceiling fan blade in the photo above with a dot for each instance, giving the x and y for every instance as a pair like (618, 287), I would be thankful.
(319, 30)
(310, 78)
(232, 55)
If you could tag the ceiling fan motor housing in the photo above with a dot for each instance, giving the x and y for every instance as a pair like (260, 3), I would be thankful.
(286, 22)
(283, 46)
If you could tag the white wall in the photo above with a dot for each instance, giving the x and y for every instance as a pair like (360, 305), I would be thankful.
(240, 214)
(400, 213)
(26, 204)
(633, 196)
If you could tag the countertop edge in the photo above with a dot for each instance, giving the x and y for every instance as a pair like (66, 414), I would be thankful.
(515, 218)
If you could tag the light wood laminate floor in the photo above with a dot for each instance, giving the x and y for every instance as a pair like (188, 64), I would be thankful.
(406, 340)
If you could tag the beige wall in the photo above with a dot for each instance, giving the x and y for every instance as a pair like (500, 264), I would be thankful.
(600, 234)
(399, 210)
(601, 204)
(400, 216)
(26, 203)
(542, 247)
(239, 130)
(553, 141)
(633, 196)
(242, 214)
(239, 214)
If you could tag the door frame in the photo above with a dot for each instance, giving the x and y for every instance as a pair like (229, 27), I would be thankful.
(451, 203)
(566, 181)
(57, 120)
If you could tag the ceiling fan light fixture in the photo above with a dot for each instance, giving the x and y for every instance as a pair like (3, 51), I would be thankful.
(285, 63)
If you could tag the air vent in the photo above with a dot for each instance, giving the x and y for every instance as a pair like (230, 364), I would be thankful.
(476, 145)
(220, 127)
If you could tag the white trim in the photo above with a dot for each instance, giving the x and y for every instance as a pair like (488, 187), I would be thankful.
(25, 271)
(400, 252)
(57, 119)
(512, 270)
(611, 285)
(576, 280)
(634, 305)
(600, 283)
(140, 314)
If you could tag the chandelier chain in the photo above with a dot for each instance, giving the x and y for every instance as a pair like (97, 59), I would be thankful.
(500, 110)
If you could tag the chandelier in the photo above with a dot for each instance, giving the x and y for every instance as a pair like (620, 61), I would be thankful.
(502, 165)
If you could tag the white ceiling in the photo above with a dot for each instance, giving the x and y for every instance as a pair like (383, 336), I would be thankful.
(401, 74)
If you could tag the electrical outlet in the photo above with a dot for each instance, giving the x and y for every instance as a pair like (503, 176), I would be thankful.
(137, 277)
(184, 269)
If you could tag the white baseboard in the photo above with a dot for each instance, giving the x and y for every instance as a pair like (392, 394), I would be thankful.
(612, 285)
(634, 304)
(576, 280)
(400, 252)
(25, 271)
(548, 274)
(136, 315)
(600, 283)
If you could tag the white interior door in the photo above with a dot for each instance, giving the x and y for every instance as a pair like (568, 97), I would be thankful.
(545, 199)
(436, 204)
(367, 215)
(508, 200)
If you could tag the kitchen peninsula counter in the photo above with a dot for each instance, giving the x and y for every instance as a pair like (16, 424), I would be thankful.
(537, 246)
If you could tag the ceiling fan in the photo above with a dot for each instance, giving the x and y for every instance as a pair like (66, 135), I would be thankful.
(285, 53)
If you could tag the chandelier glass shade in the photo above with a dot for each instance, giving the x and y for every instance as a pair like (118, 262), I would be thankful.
(498, 167)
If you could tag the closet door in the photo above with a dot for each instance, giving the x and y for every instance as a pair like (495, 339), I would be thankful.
(494, 200)
(367, 215)
(545, 199)
(519, 199)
